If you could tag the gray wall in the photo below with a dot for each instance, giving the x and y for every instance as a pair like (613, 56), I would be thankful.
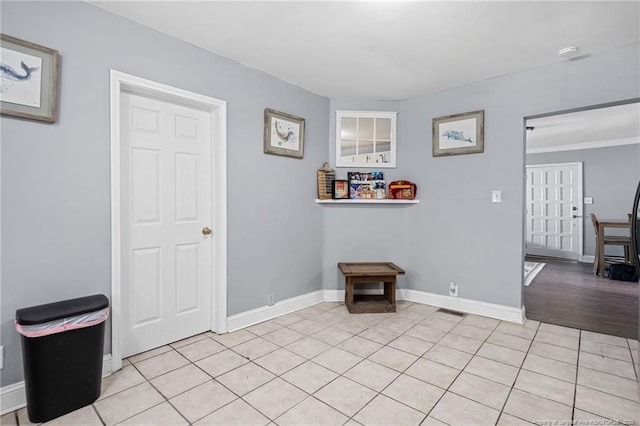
(456, 233)
(55, 178)
(354, 233)
(460, 235)
(610, 176)
(56, 182)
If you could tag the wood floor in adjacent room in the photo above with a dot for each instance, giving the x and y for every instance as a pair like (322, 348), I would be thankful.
(567, 293)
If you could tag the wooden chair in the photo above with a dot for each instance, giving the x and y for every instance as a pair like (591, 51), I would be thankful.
(601, 241)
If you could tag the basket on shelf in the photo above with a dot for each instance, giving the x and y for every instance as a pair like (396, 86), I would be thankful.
(326, 176)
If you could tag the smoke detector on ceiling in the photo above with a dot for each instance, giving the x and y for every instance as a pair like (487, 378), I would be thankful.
(568, 52)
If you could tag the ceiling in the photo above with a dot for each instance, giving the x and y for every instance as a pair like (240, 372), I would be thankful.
(388, 50)
(614, 125)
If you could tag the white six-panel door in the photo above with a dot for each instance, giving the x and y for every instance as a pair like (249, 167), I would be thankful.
(166, 193)
(554, 210)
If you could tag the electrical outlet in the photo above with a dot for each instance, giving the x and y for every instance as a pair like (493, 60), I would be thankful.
(453, 289)
(271, 299)
(1, 357)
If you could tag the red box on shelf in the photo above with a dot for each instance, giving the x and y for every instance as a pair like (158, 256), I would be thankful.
(402, 190)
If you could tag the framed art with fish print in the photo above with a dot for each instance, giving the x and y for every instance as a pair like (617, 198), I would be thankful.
(29, 80)
(458, 134)
(283, 134)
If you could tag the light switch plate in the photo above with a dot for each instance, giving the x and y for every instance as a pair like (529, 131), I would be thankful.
(496, 196)
(588, 200)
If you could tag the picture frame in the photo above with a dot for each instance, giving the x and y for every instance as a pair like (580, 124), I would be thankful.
(458, 134)
(29, 80)
(340, 189)
(283, 134)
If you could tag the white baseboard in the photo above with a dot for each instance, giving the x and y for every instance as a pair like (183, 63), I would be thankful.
(501, 312)
(13, 397)
(491, 310)
(588, 259)
(333, 295)
(107, 365)
(264, 313)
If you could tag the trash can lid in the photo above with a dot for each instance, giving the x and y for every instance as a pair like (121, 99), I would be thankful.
(64, 309)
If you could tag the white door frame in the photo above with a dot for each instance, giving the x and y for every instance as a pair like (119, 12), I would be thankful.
(579, 213)
(218, 108)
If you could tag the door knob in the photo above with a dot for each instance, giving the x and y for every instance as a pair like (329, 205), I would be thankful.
(206, 230)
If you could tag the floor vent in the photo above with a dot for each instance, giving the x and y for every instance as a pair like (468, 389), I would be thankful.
(450, 312)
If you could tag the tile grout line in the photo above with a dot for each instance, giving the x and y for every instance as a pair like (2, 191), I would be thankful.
(401, 372)
(575, 388)
(220, 383)
(633, 360)
(473, 356)
(460, 373)
(342, 374)
(252, 361)
(369, 325)
(98, 414)
(513, 385)
(575, 393)
(159, 392)
(377, 393)
(521, 366)
(367, 358)
(307, 360)
(198, 367)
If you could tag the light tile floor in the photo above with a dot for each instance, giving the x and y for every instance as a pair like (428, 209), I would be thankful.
(323, 366)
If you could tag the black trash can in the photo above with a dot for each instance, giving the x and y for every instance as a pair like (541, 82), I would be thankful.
(62, 352)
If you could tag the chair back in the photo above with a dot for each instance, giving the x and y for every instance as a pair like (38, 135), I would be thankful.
(594, 220)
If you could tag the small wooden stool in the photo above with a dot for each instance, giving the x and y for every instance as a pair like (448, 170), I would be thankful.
(367, 273)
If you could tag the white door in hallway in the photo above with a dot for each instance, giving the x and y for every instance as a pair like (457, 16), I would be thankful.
(166, 213)
(554, 210)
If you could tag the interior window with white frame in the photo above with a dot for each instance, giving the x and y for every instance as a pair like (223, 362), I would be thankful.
(366, 139)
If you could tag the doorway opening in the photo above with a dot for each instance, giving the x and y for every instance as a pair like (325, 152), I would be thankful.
(604, 142)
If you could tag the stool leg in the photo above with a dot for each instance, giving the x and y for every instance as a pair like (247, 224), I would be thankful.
(348, 294)
(390, 292)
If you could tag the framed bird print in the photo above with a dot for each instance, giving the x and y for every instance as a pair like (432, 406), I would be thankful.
(28, 80)
(283, 134)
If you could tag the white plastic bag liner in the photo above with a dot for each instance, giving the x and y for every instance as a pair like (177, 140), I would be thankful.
(64, 324)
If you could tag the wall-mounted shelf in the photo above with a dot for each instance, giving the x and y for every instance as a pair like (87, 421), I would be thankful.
(350, 201)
